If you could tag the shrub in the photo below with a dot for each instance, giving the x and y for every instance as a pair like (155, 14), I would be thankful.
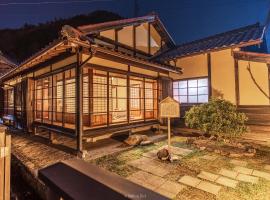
(217, 117)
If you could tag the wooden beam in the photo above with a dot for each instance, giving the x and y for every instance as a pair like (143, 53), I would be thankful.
(209, 69)
(252, 56)
(236, 75)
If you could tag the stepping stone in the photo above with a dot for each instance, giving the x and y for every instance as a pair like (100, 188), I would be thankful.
(261, 174)
(180, 151)
(228, 173)
(218, 179)
(149, 165)
(170, 189)
(209, 187)
(227, 182)
(267, 167)
(151, 154)
(209, 157)
(208, 176)
(159, 171)
(243, 170)
(247, 178)
(189, 180)
(138, 162)
(146, 179)
(239, 163)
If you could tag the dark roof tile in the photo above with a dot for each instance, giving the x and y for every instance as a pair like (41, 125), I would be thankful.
(241, 36)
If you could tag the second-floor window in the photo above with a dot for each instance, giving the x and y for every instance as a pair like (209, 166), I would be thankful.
(191, 90)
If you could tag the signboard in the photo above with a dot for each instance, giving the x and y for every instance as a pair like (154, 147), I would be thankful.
(169, 108)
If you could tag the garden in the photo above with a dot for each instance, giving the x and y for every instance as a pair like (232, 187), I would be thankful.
(217, 164)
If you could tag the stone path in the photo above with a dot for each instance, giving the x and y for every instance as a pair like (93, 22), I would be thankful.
(239, 163)
(150, 165)
(218, 179)
(152, 173)
(167, 188)
(200, 184)
(238, 174)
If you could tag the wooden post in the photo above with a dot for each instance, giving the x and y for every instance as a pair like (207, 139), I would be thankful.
(236, 76)
(169, 133)
(209, 75)
(79, 102)
(5, 157)
(2, 165)
(7, 167)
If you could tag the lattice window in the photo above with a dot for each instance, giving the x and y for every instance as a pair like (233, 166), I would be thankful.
(99, 94)
(70, 95)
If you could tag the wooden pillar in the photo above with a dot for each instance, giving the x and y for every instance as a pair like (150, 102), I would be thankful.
(236, 75)
(209, 75)
(268, 66)
(79, 102)
(128, 95)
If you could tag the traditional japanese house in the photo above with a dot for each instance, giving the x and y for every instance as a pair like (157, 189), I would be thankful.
(94, 81)
(230, 65)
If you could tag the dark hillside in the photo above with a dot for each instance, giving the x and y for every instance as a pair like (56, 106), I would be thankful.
(19, 44)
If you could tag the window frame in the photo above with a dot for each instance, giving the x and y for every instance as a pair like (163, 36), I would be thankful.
(187, 90)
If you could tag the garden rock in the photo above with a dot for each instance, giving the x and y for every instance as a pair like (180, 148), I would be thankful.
(173, 158)
(251, 150)
(134, 140)
(202, 148)
(217, 151)
(163, 154)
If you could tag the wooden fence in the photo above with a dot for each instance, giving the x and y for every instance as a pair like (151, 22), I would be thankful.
(5, 157)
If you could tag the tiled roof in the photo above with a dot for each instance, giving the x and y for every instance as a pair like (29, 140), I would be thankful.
(94, 28)
(245, 36)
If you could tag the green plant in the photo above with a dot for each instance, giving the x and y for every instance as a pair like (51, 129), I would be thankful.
(217, 117)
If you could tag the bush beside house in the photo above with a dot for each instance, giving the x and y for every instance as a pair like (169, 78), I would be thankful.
(218, 117)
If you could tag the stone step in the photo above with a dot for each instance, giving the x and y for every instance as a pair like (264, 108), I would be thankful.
(200, 184)
(218, 179)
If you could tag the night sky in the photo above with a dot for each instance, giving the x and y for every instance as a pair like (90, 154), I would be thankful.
(185, 20)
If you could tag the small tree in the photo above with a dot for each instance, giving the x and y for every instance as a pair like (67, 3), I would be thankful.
(217, 117)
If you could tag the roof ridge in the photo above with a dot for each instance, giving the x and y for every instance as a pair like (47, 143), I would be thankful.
(257, 24)
(119, 20)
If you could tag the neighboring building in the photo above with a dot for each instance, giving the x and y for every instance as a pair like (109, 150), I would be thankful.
(94, 81)
(5, 66)
(224, 66)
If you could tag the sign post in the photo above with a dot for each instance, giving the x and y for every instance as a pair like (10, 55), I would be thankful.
(169, 108)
